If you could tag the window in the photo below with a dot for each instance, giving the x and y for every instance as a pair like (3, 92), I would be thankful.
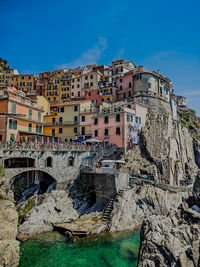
(53, 132)
(86, 77)
(14, 108)
(95, 121)
(49, 162)
(83, 118)
(91, 84)
(138, 120)
(39, 116)
(129, 117)
(12, 124)
(62, 109)
(60, 120)
(149, 85)
(79, 94)
(96, 133)
(106, 132)
(60, 130)
(106, 120)
(83, 130)
(12, 137)
(130, 85)
(37, 128)
(78, 85)
(129, 94)
(75, 108)
(117, 118)
(89, 94)
(75, 129)
(124, 95)
(30, 114)
(30, 127)
(117, 131)
(70, 161)
(75, 118)
(120, 80)
(120, 88)
(91, 76)
(40, 129)
(22, 77)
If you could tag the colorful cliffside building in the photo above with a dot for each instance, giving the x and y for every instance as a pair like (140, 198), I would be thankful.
(119, 123)
(20, 116)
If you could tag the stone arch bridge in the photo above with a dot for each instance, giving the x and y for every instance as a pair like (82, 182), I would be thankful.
(63, 166)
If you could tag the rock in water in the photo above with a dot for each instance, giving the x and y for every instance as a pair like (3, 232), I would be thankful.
(55, 208)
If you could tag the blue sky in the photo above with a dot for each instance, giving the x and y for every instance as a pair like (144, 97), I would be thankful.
(42, 35)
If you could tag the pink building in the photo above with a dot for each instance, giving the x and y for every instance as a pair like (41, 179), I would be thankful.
(119, 123)
(125, 86)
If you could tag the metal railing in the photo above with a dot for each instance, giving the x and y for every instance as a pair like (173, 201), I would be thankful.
(49, 147)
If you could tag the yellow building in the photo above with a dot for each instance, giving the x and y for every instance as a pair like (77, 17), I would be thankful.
(51, 125)
(69, 120)
(57, 86)
(24, 82)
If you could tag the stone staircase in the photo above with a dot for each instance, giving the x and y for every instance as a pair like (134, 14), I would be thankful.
(109, 207)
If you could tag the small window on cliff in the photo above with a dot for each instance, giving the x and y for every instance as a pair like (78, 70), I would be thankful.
(70, 161)
(49, 162)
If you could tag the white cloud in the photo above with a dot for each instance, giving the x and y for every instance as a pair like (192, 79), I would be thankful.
(90, 56)
(192, 93)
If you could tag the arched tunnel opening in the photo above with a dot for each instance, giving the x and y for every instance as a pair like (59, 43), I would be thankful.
(29, 183)
(19, 163)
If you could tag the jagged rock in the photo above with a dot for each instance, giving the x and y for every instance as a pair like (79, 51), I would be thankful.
(139, 202)
(55, 208)
(9, 247)
(172, 240)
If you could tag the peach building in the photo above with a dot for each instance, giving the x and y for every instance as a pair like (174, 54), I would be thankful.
(19, 116)
(124, 86)
(119, 123)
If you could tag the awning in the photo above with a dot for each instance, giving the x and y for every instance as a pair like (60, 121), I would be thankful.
(79, 140)
(93, 140)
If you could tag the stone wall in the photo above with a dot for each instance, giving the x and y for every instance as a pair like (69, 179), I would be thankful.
(60, 169)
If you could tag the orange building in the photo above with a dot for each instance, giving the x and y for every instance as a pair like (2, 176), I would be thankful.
(20, 116)
(51, 125)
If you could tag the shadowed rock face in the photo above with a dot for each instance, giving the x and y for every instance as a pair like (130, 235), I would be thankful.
(196, 187)
(9, 247)
(172, 240)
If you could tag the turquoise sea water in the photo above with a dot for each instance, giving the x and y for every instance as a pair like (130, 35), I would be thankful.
(52, 250)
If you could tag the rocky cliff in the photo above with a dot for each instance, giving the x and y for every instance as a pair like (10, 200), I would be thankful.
(9, 247)
(138, 203)
(167, 149)
(172, 240)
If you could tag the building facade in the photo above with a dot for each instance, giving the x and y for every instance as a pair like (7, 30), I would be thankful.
(20, 116)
